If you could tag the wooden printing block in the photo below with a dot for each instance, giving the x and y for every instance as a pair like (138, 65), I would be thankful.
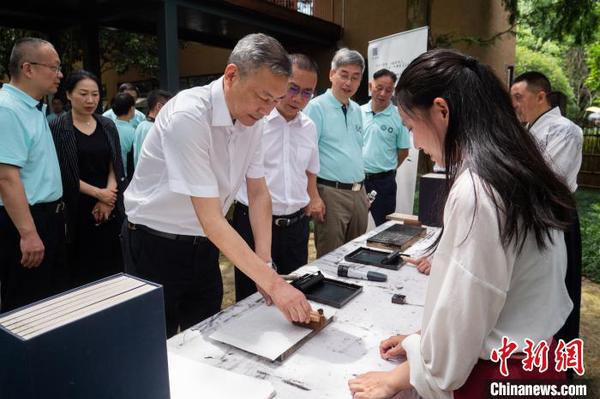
(317, 321)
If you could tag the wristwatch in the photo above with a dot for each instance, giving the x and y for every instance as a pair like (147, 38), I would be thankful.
(272, 265)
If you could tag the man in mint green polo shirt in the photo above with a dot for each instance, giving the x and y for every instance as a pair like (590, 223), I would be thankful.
(156, 100)
(32, 252)
(138, 116)
(386, 144)
(124, 107)
(340, 138)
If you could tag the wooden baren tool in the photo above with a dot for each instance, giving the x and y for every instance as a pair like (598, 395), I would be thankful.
(317, 320)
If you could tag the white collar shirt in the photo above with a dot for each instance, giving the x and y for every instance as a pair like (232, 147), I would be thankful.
(290, 149)
(194, 149)
(561, 142)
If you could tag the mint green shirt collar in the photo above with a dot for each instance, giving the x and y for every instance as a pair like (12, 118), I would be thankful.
(387, 111)
(21, 95)
(333, 100)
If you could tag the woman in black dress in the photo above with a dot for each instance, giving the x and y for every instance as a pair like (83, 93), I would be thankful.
(93, 181)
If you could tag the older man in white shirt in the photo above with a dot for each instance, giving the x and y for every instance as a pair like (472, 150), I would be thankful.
(291, 165)
(561, 141)
(202, 145)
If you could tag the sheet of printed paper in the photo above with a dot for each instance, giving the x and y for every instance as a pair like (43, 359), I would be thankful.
(264, 331)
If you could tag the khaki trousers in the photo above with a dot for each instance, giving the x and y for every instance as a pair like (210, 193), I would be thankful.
(346, 215)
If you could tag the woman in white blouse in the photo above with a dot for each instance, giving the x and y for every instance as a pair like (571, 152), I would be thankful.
(500, 262)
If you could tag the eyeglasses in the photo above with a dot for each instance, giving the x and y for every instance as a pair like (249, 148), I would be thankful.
(54, 68)
(294, 90)
(346, 78)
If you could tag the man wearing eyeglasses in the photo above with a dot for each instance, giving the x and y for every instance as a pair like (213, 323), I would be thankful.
(386, 144)
(32, 252)
(340, 139)
(291, 164)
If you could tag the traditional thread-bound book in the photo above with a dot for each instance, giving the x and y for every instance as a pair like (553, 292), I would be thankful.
(102, 340)
(396, 237)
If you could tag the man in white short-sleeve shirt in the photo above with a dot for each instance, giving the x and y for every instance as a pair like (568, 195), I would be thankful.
(291, 165)
(194, 160)
(560, 141)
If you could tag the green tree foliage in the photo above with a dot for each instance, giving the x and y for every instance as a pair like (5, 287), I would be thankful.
(122, 50)
(8, 36)
(575, 21)
(566, 30)
(119, 50)
(593, 79)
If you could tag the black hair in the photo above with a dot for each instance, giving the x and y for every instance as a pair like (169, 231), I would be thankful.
(122, 103)
(21, 51)
(156, 96)
(128, 86)
(304, 62)
(78, 76)
(485, 136)
(536, 82)
(385, 72)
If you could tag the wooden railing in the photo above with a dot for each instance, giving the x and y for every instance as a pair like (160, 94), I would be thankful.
(589, 174)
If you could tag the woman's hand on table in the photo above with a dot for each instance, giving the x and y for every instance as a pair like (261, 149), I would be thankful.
(422, 263)
(391, 348)
(380, 384)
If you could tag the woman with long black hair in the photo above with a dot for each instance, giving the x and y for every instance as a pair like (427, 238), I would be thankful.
(500, 261)
(89, 155)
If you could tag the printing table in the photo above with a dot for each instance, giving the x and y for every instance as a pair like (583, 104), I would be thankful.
(322, 367)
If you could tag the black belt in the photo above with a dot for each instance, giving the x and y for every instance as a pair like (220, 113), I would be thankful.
(374, 176)
(288, 220)
(52, 207)
(343, 186)
(169, 236)
(280, 220)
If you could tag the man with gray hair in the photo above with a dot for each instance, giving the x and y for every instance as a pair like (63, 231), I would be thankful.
(193, 161)
(32, 252)
(340, 138)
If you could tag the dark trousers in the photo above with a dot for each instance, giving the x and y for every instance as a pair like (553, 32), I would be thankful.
(95, 250)
(189, 273)
(570, 330)
(20, 286)
(289, 248)
(385, 201)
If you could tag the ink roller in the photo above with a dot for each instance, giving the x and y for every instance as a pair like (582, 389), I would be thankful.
(319, 288)
(308, 281)
(393, 258)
